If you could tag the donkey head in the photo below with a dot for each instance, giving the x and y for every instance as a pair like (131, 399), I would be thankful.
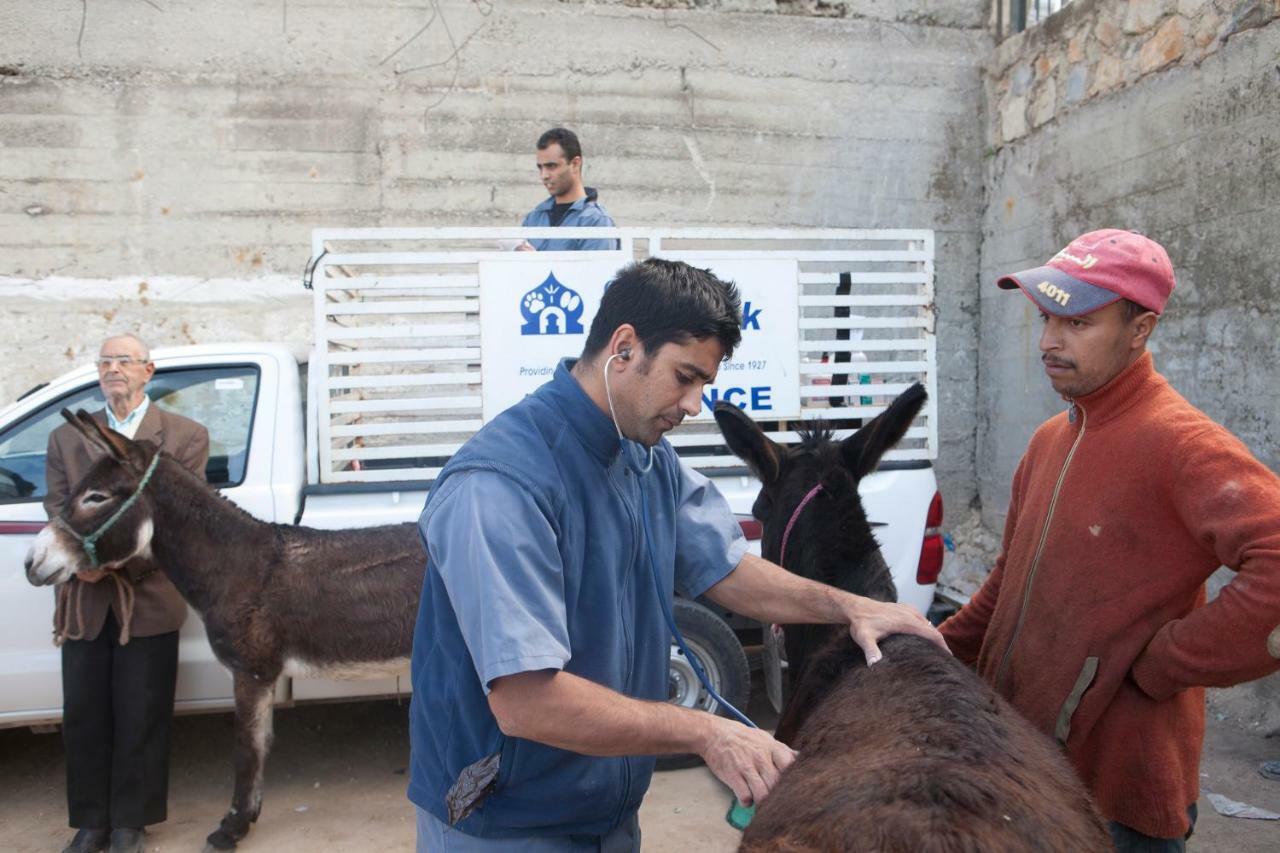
(107, 518)
(809, 496)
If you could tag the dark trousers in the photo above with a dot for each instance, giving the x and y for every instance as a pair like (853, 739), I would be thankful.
(116, 714)
(1129, 840)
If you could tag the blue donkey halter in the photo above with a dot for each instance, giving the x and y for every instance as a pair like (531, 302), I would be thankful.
(90, 542)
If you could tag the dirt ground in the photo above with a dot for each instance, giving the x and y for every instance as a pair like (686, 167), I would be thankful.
(336, 780)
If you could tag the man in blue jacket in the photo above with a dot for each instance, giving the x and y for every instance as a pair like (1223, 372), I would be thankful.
(570, 204)
(555, 538)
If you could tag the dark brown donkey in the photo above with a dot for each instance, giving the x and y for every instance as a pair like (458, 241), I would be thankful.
(915, 753)
(274, 598)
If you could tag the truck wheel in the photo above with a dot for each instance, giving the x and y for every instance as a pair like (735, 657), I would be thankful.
(721, 656)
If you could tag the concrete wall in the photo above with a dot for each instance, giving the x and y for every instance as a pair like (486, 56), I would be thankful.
(162, 170)
(1191, 157)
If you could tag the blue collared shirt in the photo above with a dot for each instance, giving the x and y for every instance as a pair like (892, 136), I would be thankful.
(586, 212)
(129, 426)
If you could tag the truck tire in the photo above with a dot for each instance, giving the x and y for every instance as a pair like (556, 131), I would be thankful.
(722, 658)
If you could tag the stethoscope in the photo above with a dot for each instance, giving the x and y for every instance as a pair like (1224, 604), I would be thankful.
(629, 460)
(628, 457)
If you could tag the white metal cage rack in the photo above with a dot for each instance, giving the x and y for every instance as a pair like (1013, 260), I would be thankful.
(397, 375)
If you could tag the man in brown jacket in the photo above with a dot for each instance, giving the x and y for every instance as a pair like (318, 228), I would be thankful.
(119, 663)
(1093, 622)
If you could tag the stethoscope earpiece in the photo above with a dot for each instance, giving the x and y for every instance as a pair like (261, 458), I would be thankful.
(625, 355)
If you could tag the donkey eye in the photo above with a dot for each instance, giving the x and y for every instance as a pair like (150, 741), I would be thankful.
(94, 498)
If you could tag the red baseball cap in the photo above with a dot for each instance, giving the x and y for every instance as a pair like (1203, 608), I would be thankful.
(1097, 269)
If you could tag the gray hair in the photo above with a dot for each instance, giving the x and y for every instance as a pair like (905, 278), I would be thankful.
(146, 350)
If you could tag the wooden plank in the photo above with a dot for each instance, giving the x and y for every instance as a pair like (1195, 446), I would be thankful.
(404, 380)
(419, 404)
(828, 256)
(496, 232)
(467, 257)
(864, 412)
(806, 234)
(406, 356)
(714, 439)
(409, 330)
(461, 292)
(399, 451)
(404, 306)
(865, 322)
(850, 368)
(833, 278)
(860, 301)
(883, 390)
(712, 462)
(442, 427)
(382, 475)
(904, 344)
(416, 282)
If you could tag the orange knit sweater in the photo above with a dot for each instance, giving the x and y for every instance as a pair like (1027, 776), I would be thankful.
(1093, 622)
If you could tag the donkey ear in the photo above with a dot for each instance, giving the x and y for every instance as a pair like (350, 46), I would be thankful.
(861, 451)
(748, 442)
(81, 422)
(116, 445)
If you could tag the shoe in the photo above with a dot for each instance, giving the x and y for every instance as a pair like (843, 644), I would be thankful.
(1270, 770)
(89, 841)
(126, 840)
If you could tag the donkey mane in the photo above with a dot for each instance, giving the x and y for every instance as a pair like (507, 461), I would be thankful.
(813, 434)
(216, 499)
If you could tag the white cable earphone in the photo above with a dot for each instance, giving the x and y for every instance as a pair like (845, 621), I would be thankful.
(625, 355)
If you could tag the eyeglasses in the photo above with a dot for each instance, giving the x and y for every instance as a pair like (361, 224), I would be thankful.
(124, 361)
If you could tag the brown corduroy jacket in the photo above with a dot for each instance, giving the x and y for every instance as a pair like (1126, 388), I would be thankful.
(1093, 622)
(158, 608)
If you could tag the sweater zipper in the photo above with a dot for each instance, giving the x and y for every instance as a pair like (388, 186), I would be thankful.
(1044, 535)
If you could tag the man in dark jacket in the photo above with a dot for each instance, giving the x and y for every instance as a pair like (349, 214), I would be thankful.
(570, 204)
(119, 663)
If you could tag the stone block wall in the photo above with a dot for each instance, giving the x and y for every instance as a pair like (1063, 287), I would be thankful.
(1093, 48)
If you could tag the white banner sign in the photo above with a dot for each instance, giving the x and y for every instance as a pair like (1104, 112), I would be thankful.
(763, 377)
(535, 312)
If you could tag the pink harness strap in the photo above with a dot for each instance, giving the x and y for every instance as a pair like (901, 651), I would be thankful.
(786, 534)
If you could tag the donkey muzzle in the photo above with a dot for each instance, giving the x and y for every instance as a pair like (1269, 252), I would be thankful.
(48, 560)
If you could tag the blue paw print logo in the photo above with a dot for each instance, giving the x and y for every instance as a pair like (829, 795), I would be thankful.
(551, 309)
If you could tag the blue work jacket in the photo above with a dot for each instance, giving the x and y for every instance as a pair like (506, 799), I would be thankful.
(586, 212)
(536, 559)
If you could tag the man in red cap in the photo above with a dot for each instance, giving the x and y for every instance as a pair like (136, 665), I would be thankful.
(1093, 622)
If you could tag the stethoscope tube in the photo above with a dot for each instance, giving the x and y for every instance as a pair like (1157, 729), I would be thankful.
(628, 459)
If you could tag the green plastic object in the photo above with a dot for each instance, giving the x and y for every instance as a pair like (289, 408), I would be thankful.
(740, 816)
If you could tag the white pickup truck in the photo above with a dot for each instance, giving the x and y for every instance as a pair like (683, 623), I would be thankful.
(282, 448)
